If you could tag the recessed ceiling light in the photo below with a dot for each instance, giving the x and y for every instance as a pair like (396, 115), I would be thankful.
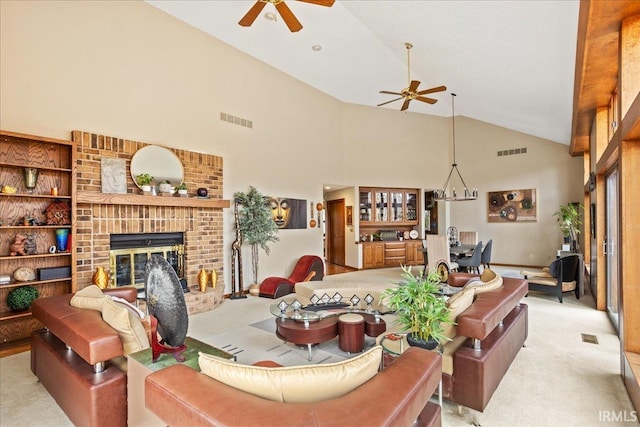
(270, 16)
(316, 48)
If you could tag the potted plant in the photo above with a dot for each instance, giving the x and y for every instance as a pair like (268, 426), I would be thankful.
(144, 180)
(21, 298)
(165, 186)
(569, 220)
(420, 308)
(182, 189)
(256, 224)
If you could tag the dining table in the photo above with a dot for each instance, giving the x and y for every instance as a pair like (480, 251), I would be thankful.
(458, 251)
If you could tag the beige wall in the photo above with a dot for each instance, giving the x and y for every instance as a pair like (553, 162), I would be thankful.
(128, 70)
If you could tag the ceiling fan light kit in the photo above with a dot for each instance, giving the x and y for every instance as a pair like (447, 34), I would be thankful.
(411, 91)
(444, 195)
(283, 10)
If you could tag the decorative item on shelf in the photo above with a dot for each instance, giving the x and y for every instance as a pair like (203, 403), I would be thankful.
(182, 190)
(20, 299)
(420, 308)
(58, 213)
(7, 189)
(5, 279)
(24, 274)
(202, 192)
(62, 239)
(30, 178)
(17, 247)
(203, 280)
(444, 195)
(30, 246)
(214, 278)
(54, 191)
(144, 180)
(101, 278)
(319, 207)
(165, 187)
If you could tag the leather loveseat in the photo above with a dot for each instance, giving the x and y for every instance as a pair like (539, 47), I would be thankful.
(75, 357)
(396, 396)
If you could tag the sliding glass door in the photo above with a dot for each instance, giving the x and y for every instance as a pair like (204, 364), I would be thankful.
(611, 248)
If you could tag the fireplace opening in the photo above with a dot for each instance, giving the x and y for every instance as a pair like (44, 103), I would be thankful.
(128, 255)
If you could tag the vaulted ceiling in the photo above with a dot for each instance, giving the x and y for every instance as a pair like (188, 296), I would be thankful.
(511, 63)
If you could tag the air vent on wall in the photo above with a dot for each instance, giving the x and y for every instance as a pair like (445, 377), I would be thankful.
(236, 120)
(512, 151)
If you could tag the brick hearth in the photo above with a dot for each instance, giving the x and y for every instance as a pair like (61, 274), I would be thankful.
(96, 220)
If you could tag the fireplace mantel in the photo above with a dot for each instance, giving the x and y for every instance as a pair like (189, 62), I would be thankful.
(143, 200)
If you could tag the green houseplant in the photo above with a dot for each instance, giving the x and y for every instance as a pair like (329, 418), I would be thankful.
(21, 298)
(256, 224)
(569, 220)
(419, 307)
(144, 180)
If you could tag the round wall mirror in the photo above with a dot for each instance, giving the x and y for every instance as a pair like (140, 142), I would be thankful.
(159, 162)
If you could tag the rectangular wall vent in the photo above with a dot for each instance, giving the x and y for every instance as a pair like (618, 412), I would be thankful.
(236, 120)
(512, 151)
(588, 338)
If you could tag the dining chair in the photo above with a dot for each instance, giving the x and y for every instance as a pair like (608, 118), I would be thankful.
(472, 263)
(485, 259)
(438, 256)
(469, 237)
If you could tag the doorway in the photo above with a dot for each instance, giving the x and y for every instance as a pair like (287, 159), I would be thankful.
(611, 248)
(335, 232)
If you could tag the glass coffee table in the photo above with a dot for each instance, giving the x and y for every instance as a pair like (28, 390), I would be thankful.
(307, 326)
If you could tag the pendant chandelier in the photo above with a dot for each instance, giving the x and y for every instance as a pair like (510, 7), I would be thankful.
(446, 195)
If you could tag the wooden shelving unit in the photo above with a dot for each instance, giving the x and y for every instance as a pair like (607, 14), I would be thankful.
(55, 161)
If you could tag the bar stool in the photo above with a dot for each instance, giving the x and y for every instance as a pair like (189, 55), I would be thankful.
(351, 333)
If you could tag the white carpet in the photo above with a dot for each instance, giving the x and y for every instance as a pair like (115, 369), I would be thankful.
(556, 380)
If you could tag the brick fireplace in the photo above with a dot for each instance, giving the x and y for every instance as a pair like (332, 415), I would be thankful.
(99, 215)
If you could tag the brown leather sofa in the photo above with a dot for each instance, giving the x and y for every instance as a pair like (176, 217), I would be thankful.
(396, 396)
(489, 335)
(72, 359)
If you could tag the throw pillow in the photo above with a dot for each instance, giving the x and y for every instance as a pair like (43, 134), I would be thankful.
(90, 298)
(128, 325)
(457, 304)
(306, 383)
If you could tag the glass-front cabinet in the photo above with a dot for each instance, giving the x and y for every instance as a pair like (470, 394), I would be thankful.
(366, 207)
(388, 206)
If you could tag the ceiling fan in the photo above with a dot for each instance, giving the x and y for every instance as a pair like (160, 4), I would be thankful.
(410, 93)
(284, 11)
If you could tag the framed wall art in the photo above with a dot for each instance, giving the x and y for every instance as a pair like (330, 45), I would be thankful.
(349, 215)
(512, 206)
(289, 213)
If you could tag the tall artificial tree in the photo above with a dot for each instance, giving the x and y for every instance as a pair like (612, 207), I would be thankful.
(256, 224)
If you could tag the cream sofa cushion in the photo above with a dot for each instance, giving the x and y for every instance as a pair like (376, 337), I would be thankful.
(117, 313)
(90, 298)
(306, 383)
(457, 304)
(128, 325)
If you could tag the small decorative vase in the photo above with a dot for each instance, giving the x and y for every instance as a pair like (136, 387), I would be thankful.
(100, 278)
(203, 279)
(202, 192)
(214, 278)
(62, 239)
(30, 178)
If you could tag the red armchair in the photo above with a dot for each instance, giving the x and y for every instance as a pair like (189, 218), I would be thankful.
(308, 267)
